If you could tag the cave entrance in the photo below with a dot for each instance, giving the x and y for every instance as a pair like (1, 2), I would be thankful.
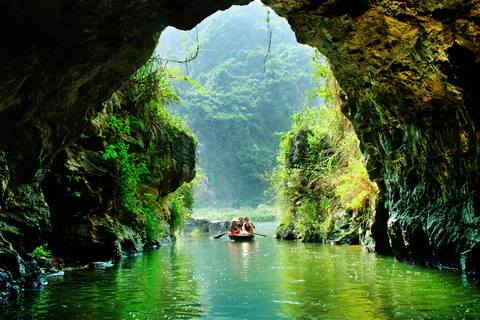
(256, 76)
(260, 81)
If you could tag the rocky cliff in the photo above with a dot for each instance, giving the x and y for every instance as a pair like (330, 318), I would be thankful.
(408, 69)
(204, 225)
(88, 221)
(409, 72)
(91, 215)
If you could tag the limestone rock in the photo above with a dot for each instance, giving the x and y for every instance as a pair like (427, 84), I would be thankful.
(203, 225)
(409, 71)
(16, 272)
(286, 232)
(80, 189)
(299, 149)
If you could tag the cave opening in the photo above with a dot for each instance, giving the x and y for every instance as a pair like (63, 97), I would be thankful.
(257, 77)
(418, 125)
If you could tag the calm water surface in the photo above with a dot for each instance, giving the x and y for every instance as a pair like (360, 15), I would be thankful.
(199, 277)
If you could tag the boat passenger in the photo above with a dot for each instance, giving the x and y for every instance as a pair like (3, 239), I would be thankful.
(234, 229)
(248, 227)
(240, 224)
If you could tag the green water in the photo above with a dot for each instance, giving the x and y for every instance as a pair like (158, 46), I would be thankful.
(199, 277)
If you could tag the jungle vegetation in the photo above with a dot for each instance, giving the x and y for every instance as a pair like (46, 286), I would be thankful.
(321, 184)
(140, 114)
(255, 76)
(258, 81)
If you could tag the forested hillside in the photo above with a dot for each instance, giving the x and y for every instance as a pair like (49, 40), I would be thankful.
(255, 76)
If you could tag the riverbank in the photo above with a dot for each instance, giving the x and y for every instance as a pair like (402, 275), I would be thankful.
(198, 225)
(198, 277)
(261, 213)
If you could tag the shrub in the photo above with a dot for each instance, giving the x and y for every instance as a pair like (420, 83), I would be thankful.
(42, 251)
(332, 176)
(143, 113)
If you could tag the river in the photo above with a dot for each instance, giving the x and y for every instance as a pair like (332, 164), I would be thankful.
(202, 277)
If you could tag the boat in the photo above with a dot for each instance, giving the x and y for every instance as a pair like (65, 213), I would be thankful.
(241, 237)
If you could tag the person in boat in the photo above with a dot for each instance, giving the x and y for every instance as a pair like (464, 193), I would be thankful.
(234, 228)
(240, 224)
(248, 227)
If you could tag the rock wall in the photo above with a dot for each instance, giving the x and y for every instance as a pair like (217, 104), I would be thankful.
(80, 189)
(409, 70)
(203, 225)
(80, 193)
(58, 63)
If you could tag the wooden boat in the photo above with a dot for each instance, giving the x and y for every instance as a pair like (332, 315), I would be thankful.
(241, 237)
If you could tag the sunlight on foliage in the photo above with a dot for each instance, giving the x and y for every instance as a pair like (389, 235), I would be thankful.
(144, 99)
(42, 251)
(236, 122)
(322, 170)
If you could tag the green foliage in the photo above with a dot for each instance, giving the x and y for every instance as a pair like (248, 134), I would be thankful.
(332, 176)
(236, 121)
(325, 83)
(144, 100)
(118, 126)
(268, 14)
(262, 213)
(354, 187)
(151, 82)
(42, 251)
(129, 172)
(169, 122)
(152, 227)
(182, 201)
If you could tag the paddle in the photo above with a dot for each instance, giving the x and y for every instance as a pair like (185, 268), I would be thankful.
(259, 234)
(220, 235)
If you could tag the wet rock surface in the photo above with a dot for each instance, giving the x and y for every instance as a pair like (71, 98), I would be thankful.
(409, 71)
(203, 225)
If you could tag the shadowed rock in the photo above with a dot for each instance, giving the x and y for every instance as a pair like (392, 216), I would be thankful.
(409, 71)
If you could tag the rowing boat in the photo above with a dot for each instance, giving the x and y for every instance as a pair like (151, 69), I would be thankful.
(241, 237)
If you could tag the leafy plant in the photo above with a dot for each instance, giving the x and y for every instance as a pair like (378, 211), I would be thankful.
(183, 202)
(143, 104)
(153, 228)
(331, 175)
(42, 251)
(129, 172)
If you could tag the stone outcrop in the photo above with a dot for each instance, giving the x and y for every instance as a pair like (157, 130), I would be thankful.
(80, 188)
(299, 149)
(409, 73)
(59, 63)
(409, 70)
(80, 193)
(203, 225)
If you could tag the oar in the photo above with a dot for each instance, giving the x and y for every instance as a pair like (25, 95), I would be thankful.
(259, 234)
(220, 235)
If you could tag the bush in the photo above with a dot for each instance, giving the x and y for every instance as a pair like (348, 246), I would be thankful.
(42, 251)
(332, 174)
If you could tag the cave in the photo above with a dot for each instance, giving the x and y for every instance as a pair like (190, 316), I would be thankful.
(408, 70)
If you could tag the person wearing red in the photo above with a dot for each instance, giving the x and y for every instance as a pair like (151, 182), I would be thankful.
(234, 229)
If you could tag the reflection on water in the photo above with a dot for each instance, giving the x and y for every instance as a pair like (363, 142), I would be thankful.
(199, 277)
